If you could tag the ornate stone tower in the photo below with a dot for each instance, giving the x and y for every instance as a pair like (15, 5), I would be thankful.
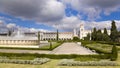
(81, 33)
(74, 33)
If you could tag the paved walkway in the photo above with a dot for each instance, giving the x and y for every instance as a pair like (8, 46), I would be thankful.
(65, 48)
(71, 48)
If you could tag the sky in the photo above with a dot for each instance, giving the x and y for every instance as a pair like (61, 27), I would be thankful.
(65, 15)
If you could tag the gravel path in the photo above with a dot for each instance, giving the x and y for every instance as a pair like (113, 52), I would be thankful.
(71, 48)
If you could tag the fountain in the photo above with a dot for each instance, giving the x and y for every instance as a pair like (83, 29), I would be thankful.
(18, 38)
(18, 35)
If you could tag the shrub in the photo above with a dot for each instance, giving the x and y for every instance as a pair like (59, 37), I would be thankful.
(54, 56)
(86, 59)
(114, 53)
(76, 39)
(71, 62)
(36, 61)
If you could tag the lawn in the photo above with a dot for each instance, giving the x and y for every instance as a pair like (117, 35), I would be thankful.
(101, 47)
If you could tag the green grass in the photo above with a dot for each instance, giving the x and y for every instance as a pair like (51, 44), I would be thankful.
(105, 48)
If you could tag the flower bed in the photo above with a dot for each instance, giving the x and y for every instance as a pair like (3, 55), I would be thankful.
(71, 62)
(36, 61)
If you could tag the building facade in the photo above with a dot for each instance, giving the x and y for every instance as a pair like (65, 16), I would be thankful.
(81, 32)
(53, 35)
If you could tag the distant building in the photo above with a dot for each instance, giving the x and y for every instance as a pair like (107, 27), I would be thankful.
(53, 35)
(31, 34)
(81, 32)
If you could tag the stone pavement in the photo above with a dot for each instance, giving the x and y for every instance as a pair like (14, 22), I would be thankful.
(71, 48)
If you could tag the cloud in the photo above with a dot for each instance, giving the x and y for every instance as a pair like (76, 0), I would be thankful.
(69, 23)
(101, 25)
(40, 10)
(93, 8)
(52, 12)
(12, 26)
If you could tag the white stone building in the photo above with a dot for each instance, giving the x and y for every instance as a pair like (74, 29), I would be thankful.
(81, 32)
(53, 35)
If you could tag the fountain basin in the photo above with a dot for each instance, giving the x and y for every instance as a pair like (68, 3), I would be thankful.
(18, 41)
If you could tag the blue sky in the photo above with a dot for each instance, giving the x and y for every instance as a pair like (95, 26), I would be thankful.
(48, 15)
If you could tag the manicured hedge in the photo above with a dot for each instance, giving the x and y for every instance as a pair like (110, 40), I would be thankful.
(36, 61)
(54, 56)
(71, 62)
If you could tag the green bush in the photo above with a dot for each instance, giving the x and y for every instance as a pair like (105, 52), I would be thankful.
(114, 53)
(53, 56)
(36, 61)
(76, 39)
(71, 62)
(86, 59)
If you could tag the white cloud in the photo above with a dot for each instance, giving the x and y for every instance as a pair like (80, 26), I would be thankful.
(39, 10)
(52, 12)
(5, 27)
(102, 24)
(69, 23)
(36, 30)
(93, 8)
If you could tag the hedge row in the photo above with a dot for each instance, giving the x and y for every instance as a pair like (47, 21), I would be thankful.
(54, 56)
(36, 61)
(71, 62)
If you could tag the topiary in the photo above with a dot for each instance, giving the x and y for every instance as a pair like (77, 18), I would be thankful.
(114, 53)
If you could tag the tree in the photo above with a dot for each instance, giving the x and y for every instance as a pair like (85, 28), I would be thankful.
(76, 38)
(105, 35)
(50, 46)
(38, 37)
(105, 31)
(99, 35)
(57, 37)
(88, 37)
(114, 53)
(114, 32)
(94, 34)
